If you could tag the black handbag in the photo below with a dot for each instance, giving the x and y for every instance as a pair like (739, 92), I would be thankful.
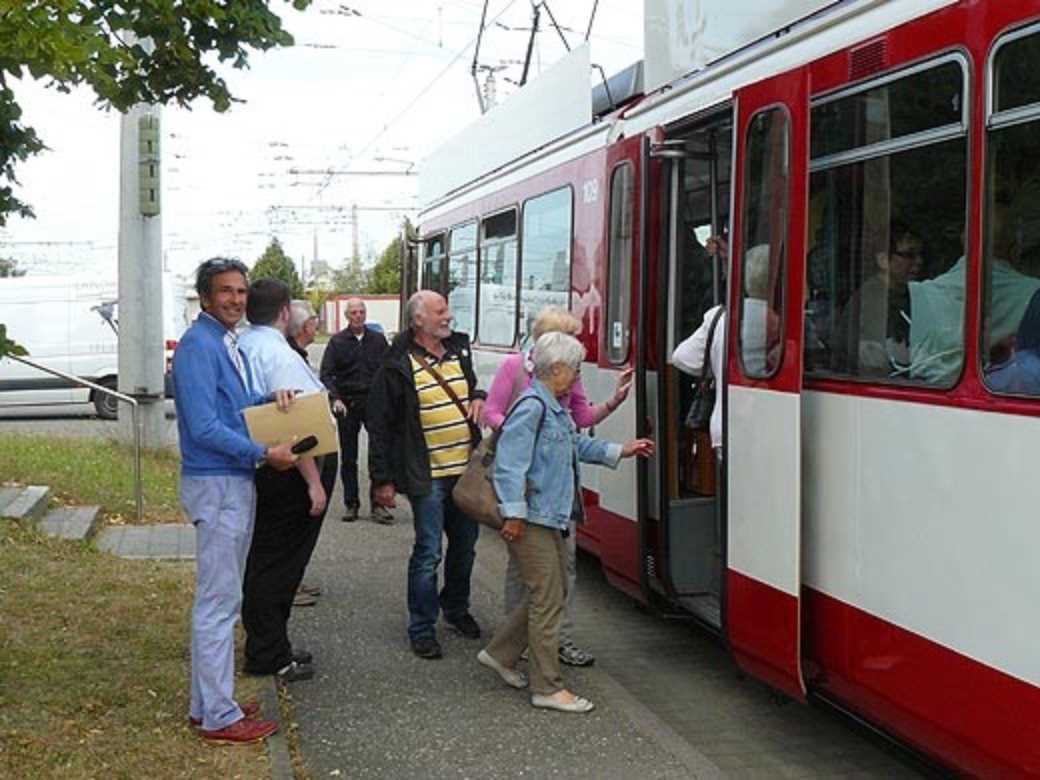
(698, 418)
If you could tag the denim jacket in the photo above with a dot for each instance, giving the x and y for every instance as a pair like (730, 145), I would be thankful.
(536, 480)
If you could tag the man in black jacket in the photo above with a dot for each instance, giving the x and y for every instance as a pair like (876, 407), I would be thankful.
(422, 423)
(350, 362)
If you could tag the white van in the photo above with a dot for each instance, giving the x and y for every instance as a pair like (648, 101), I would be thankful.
(72, 324)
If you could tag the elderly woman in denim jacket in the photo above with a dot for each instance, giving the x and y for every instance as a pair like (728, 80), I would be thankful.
(536, 479)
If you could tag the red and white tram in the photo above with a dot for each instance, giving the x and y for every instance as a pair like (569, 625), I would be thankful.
(870, 539)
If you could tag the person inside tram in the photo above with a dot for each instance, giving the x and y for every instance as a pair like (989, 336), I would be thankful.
(759, 326)
(1021, 373)
(873, 330)
(937, 331)
(710, 337)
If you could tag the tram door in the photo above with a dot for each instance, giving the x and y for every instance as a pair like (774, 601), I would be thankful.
(695, 189)
(764, 373)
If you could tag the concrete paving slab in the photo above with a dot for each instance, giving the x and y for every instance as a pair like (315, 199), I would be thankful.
(7, 495)
(76, 523)
(29, 504)
(165, 541)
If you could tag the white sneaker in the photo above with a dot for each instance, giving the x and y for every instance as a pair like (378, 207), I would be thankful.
(510, 677)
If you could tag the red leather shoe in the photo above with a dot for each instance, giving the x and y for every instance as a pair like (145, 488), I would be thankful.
(250, 709)
(241, 732)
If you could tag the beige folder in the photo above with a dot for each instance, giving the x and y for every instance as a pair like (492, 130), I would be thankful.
(309, 415)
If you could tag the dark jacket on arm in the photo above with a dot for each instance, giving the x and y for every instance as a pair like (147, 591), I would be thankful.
(396, 446)
(349, 363)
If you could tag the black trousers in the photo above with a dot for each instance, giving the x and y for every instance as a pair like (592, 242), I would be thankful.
(349, 426)
(283, 540)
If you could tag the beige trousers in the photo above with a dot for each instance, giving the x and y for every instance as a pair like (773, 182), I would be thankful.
(541, 556)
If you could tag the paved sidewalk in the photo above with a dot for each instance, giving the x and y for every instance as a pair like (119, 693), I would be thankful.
(670, 702)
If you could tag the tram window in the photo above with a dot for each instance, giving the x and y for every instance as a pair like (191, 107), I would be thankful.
(433, 264)
(545, 255)
(619, 300)
(1016, 71)
(765, 227)
(497, 322)
(462, 277)
(885, 267)
(891, 109)
(1011, 259)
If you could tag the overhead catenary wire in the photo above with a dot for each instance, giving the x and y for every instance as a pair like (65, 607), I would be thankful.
(420, 94)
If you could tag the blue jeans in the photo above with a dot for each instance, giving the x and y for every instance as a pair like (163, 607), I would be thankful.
(433, 515)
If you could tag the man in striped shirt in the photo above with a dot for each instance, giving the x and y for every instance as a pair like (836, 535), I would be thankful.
(423, 410)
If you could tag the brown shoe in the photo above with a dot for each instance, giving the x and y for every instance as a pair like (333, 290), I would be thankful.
(310, 590)
(241, 732)
(250, 709)
(304, 600)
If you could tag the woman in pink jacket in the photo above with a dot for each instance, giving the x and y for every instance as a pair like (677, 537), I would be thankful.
(513, 376)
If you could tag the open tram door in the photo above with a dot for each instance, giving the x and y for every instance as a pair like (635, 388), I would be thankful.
(687, 203)
(764, 372)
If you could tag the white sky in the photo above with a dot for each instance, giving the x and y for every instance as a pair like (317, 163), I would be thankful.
(395, 84)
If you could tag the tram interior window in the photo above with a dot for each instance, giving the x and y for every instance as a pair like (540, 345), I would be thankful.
(885, 267)
(433, 264)
(619, 295)
(545, 256)
(498, 298)
(462, 277)
(1011, 256)
(764, 245)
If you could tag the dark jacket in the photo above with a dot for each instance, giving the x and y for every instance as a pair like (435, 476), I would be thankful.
(396, 445)
(349, 364)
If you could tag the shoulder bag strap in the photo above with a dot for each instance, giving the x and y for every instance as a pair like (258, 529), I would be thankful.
(706, 370)
(440, 380)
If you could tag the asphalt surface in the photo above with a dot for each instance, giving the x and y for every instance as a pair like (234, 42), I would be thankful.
(670, 702)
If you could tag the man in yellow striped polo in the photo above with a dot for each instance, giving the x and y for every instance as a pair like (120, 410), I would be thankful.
(423, 410)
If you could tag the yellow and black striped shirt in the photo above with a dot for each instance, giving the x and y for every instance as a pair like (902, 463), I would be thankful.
(445, 429)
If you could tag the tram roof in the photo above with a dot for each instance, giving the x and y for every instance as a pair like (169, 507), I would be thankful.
(449, 184)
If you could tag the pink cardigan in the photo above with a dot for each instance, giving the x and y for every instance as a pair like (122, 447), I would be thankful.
(497, 404)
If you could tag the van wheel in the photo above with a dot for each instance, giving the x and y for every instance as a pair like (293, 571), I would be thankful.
(107, 406)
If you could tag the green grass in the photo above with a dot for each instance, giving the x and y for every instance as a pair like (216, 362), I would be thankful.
(94, 472)
(94, 667)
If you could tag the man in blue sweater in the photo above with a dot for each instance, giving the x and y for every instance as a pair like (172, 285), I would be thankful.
(212, 386)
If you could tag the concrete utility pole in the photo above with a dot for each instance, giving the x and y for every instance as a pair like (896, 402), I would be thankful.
(141, 345)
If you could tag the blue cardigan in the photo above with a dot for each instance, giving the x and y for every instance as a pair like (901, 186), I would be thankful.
(210, 396)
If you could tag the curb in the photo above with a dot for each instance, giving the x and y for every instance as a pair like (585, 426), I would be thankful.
(278, 743)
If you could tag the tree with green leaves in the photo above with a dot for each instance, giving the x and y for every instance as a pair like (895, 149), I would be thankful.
(351, 280)
(275, 264)
(385, 276)
(9, 268)
(72, 43)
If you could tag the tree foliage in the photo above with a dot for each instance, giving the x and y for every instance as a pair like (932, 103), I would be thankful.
(70, 43)
(9, 268)
(351, 280)
(275, 264)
